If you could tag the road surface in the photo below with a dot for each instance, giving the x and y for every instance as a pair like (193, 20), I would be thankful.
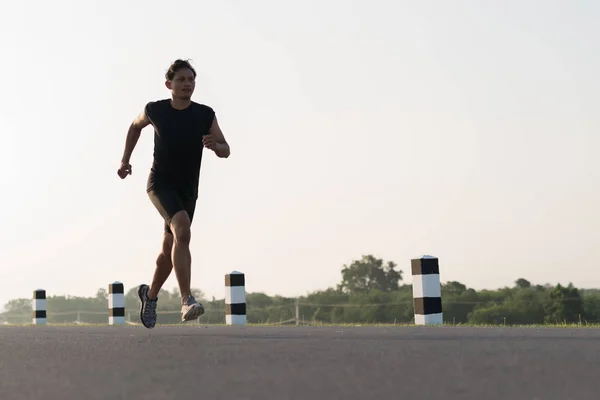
(289, 363)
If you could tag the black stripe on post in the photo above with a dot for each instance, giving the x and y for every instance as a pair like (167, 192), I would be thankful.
(116, 312)
(428, 305)
(39, 294)
(116, 288)
(425, 266)
(235, 280)
(39, 314)
(235, 309)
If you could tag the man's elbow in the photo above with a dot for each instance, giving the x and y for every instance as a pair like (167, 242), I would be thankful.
(135, 129)
(225, 153)
(224, 150)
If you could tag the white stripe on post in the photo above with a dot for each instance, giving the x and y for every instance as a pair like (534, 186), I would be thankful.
(427, 291)
(116, 304)
(39, 307)
(235, 298)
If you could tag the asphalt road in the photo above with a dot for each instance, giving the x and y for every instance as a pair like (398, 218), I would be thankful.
(236, 363)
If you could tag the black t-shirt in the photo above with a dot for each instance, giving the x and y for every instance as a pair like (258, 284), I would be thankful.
(177, 143)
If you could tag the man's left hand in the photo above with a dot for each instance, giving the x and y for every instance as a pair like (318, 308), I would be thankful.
(215, 140)
(209, 142)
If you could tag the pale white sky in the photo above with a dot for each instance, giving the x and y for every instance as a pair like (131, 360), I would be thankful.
(467, 130)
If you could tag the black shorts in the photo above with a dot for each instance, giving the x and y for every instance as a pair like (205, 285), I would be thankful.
(169, 200)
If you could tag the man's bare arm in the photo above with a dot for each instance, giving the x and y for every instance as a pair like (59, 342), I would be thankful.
(133, 134)
(221, 148)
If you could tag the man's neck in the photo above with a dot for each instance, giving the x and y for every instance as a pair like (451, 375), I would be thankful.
(180, 104)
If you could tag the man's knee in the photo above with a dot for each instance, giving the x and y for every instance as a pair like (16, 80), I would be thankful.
(181, 227)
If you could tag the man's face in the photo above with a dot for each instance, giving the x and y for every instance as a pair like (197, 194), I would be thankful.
(183, 84)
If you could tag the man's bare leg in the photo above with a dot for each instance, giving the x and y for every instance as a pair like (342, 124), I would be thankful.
(149, 295)
(182, 260)
(181, 256)
(164, 266)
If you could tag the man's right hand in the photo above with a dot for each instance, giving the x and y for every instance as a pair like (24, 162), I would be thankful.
(124, 170)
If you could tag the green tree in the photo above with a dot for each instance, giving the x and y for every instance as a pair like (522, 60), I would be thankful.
(18, 306)
(564, 304)
(369, 273)
(591, 305)
(458, 302)
(522, 283)
(102, 294)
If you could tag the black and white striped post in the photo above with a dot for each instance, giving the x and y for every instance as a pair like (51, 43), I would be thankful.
(116, 304)
(235, 298)
(427, 291)
(39, 307)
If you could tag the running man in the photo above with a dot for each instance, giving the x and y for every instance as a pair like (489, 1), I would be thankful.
(182, 128)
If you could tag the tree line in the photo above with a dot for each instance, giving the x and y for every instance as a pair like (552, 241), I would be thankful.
(370, 291)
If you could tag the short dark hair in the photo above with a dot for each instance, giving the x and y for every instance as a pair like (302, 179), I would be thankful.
(176, 66)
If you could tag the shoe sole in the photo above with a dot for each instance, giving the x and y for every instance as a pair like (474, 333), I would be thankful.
(141, 296)
(195, 312)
